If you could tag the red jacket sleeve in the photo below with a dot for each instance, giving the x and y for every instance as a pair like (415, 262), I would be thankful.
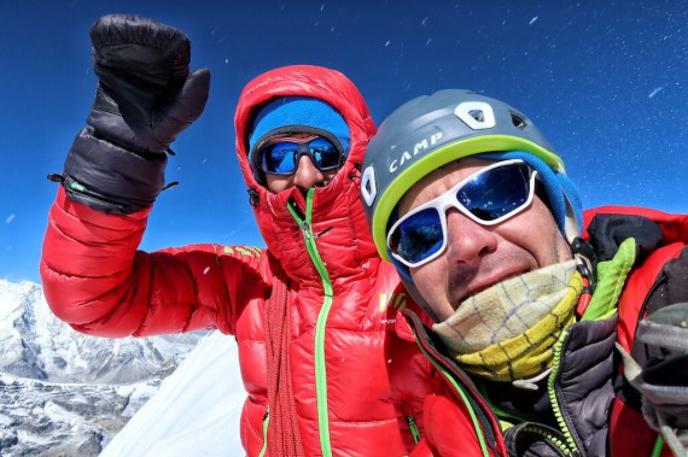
(95, 279)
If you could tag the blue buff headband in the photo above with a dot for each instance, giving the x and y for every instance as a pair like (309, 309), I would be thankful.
(299, 111)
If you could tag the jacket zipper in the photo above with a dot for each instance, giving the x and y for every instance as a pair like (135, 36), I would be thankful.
(414, 429)
(266, 421)
(328, 295)
(554, 397)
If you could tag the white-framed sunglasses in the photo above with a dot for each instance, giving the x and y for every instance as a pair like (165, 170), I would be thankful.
(488, 197)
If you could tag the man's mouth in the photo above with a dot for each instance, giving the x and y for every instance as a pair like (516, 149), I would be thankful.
(486, 281)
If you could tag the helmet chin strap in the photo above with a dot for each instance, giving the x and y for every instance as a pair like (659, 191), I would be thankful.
(583, 253)
(581, 250)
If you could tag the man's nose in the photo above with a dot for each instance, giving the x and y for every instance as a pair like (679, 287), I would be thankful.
(307, 174)
(467, 240)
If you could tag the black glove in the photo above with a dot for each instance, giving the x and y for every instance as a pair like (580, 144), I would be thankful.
(145, 98)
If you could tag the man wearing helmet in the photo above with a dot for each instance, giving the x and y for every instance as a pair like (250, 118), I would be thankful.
(519, 306)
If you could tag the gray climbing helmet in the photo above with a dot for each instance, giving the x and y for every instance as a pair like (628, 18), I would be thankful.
(430, 131)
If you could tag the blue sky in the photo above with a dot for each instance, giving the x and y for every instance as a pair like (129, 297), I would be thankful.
(605, 81)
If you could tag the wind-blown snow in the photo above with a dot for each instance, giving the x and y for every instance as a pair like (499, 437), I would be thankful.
(654, 92)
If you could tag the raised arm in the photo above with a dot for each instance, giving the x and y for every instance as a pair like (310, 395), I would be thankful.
(92, 274)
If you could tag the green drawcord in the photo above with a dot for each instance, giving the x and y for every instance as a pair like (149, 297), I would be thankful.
(414, 429)
(659, 445)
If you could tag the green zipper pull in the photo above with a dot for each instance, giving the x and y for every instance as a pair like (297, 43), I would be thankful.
(266, 421)
(306, 227)
(414, 429)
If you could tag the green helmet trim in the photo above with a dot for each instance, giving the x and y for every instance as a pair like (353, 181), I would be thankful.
(442, 156)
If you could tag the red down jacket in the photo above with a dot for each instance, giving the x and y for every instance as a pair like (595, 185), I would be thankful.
(343, 333)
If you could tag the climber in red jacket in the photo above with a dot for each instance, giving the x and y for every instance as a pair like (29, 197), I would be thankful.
(310, 313)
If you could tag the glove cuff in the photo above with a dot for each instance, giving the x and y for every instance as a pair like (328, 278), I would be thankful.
(109, 178)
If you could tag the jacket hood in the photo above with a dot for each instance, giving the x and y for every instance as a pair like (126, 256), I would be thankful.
(338, 221)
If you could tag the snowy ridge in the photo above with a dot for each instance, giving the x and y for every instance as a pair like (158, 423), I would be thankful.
(67, 394)
(37, 345)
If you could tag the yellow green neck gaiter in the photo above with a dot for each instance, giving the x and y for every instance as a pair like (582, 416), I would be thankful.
(507, 332)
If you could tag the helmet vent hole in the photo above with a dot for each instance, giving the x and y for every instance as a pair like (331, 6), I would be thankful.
(477, 114)
(368, 186)
(518, 121)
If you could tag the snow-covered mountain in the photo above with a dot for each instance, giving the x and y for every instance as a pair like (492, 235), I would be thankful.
(66, 394)
(39, 346)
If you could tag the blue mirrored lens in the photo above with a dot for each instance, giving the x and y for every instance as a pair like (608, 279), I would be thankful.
(280, 158)
(497, 192)
(418, 237)
(325, 154)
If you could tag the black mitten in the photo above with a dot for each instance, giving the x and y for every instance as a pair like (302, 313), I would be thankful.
(145, 98)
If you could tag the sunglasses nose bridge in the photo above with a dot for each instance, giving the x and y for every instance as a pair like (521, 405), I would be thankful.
(301, 151)
(466, 239)
(448, 203)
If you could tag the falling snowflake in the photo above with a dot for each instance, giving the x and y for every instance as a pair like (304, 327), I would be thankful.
(387, 43)
(532, 21)
(655, 91)
(206, 270)
(424, 21)
(226, 60)
(322, 7)
(9, 219)
(427, 43)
